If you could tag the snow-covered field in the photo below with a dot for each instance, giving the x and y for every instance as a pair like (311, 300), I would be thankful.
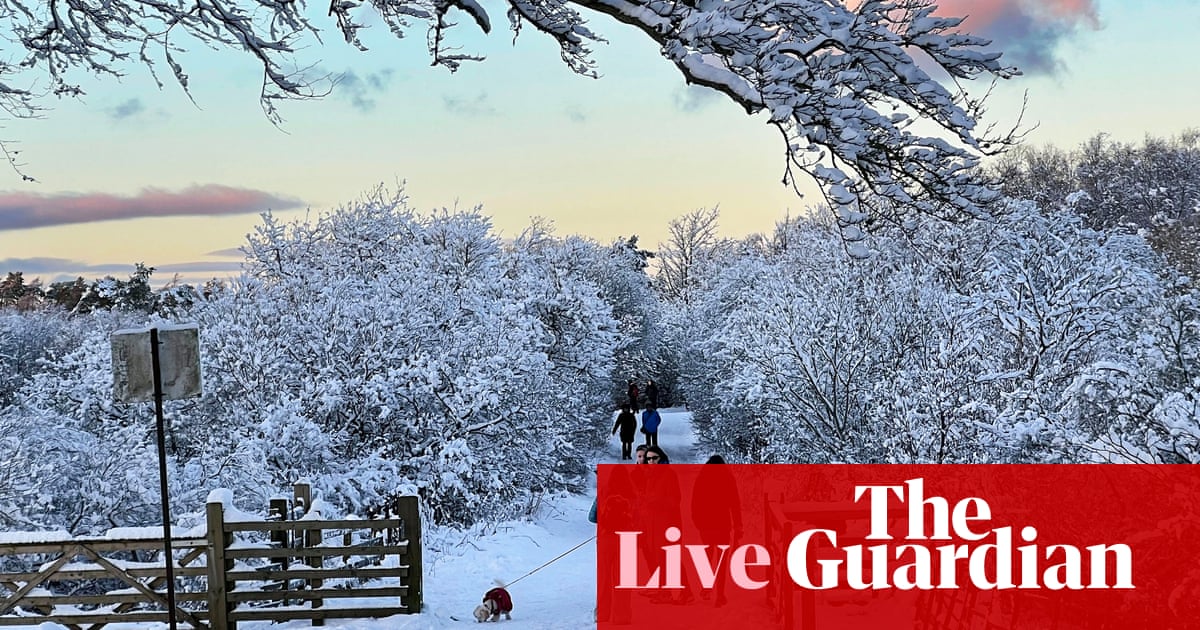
(460, 568)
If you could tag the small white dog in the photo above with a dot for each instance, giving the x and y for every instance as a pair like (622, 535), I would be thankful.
(483, 611)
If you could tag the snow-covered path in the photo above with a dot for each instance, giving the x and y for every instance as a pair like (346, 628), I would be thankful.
(558, 597)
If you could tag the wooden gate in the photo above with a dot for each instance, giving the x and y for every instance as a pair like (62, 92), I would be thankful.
(55, 587)
(240, 571)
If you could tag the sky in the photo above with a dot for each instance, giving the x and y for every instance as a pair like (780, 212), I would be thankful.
(133, 173)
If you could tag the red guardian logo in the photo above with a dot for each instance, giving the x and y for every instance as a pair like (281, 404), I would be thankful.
(838, 546)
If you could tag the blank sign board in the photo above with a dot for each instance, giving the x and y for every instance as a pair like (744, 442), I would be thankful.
(178, 358)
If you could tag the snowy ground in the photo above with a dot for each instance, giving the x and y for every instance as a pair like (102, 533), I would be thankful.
(460, 569)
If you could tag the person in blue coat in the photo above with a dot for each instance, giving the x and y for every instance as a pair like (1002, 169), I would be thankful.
(650, 422)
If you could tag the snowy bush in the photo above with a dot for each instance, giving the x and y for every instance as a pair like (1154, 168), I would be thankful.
(372, 351)
(1029, 337)
(421, 340)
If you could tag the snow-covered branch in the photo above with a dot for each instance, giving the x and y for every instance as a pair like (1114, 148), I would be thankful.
(843, 85)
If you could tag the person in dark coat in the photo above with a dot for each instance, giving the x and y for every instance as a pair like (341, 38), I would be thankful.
(617, 514)
(633, 396)
(662, 503)
(626, 423)
(717, 513)
(651, 394)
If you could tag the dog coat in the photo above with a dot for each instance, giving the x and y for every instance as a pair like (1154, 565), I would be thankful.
(502, 599)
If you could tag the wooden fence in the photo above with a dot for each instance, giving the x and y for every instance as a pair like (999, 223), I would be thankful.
(240, 571)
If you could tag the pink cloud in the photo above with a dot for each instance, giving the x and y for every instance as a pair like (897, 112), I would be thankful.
(1028, 31)
(985, 12)
(28, 210)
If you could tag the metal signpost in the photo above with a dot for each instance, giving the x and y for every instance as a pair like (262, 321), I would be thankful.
(155, 364)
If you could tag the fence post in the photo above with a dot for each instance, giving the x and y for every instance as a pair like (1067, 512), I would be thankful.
(277, 510)
(310, 538)
(408, 510)
(218, 602)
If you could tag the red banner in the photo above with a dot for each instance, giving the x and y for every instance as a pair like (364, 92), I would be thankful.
(888, 546)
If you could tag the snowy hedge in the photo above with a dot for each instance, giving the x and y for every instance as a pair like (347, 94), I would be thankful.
(1027, 338)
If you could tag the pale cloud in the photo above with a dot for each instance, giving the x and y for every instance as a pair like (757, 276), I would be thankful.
(126, 109)
(36, 267)
(20, 210)
(235, 252)
(51, 270)
(693, 98)
(576, 114)
(360, 90)
(467, 106)
(198, 266)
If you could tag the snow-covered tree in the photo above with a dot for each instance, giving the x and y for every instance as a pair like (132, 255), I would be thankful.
(693, 250)
(1149, 390)
(80, 459)
(421, 340)
(1152, 186)
(786, 354)
(27, 340)
(618, 273)
(371, 350)
(1028, 337)
(1156, 181)
(1052, 300)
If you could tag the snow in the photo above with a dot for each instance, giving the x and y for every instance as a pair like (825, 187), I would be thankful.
(33, 537)
(134, 533)
(223, 496)
(232, 514)
(460, 567)
(161, 327)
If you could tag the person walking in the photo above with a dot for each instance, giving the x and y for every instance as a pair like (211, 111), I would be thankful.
(626, 423)
(650, 422)
(717, 513)
(651, 394)
(662, 502)
(632, 391)
(613, 604)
